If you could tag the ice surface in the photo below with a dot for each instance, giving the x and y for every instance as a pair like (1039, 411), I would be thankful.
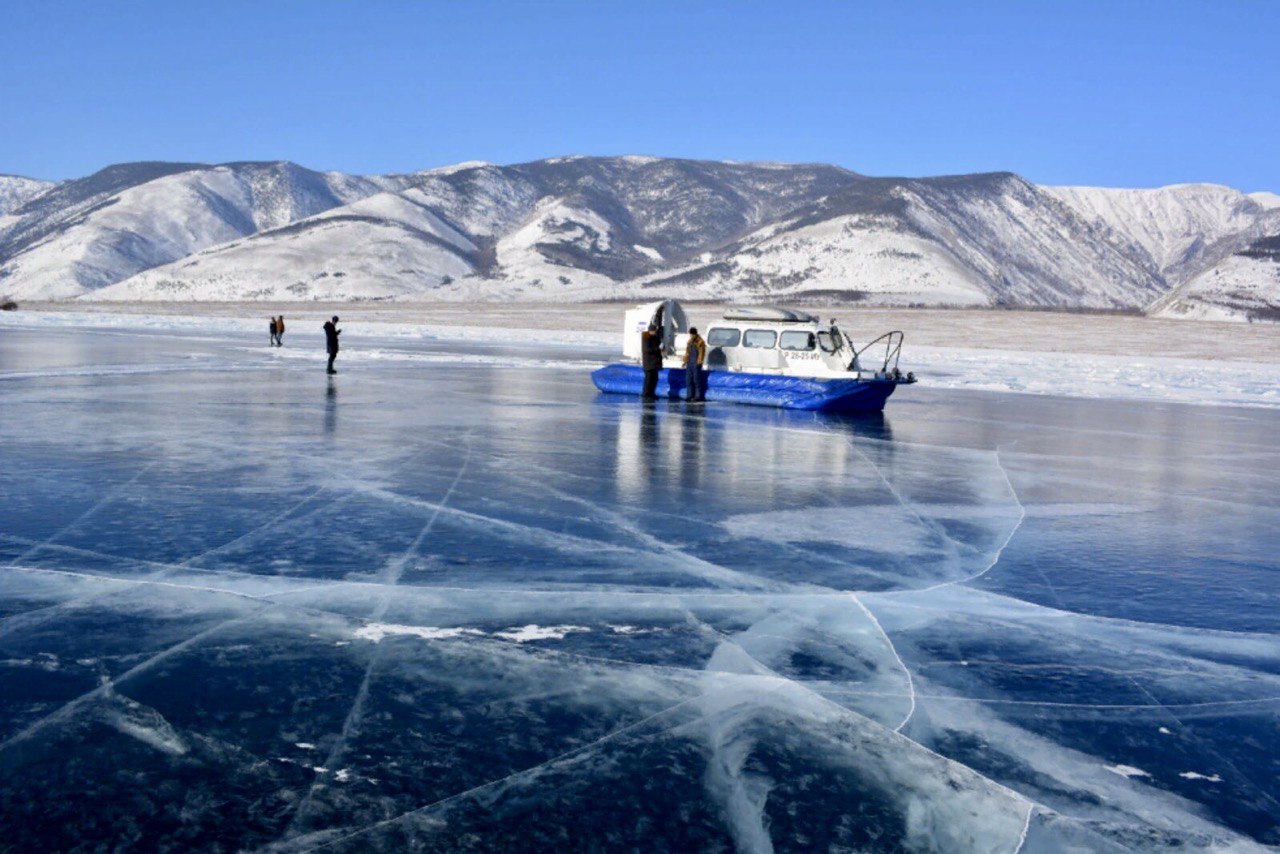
(1205, 363)
(452, 598)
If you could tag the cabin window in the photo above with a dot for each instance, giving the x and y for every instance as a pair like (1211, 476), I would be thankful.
(723, 336)
(764, 339)
(796, 340)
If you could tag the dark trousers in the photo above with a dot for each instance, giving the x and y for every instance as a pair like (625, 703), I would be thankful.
(693, 383)
(650, 390)
(333, 354)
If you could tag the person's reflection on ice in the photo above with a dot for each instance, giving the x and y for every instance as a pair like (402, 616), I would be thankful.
(648, 429)
(331, 408)
(692, 452)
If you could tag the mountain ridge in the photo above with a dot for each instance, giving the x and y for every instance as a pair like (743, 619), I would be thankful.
(583, 227)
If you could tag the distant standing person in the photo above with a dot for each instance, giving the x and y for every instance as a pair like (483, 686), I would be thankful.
(650, 360)
(695, 353)
(331, 333)
(272, 331)
(280, 331)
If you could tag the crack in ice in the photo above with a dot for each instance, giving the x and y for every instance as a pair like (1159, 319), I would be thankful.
(390, 578)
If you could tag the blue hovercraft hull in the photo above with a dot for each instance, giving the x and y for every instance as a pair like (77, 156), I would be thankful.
(806, 393)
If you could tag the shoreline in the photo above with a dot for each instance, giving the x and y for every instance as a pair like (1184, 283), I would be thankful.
(1120, 357)
(1036, 331)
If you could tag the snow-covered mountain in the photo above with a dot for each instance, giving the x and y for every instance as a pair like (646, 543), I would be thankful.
(968, 240)
(1244, 284)
(566, 228)
(585, 228)
(1177, 231)
(1267, 200)
(86, 234)
(16, 191)
(388, 244)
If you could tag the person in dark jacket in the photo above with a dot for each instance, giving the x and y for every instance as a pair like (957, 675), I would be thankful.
(651, 360)
(331, 333)
(271, 330)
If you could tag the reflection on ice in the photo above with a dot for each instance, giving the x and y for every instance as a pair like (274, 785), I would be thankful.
(477, 605)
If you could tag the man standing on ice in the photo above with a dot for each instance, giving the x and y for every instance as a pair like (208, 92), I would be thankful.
(651, 358)
(331, 333)
(695, 352)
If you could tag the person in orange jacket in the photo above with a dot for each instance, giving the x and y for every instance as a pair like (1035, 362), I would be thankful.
(280, 331)
(695, 353)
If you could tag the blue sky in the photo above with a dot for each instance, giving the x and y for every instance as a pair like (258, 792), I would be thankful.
(1119, 93)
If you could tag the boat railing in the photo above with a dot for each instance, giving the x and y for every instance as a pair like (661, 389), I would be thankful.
(892, 350)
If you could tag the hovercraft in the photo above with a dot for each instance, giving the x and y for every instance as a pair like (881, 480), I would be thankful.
(762, 355)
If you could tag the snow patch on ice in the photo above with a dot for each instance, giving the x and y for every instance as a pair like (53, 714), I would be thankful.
(532, 632)
(162, 740)
(377, 631)
(1127, 771)
(1208, 778)
(144, 724)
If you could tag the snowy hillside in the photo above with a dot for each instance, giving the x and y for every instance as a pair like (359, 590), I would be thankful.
(1213, 245)
(1179, 231)
(1245, 284)
(591, 228)
(1267, 200)
(15, 191)
(86, 234)
(966, 240)
(567, 228)
(386, 245)
(646, 211)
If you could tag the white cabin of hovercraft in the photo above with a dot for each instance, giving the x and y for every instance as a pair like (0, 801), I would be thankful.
(758, 339)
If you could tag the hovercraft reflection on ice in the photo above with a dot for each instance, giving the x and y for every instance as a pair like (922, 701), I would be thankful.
(763, 355)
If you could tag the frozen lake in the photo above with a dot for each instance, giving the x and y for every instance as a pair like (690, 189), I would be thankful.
(454, 599)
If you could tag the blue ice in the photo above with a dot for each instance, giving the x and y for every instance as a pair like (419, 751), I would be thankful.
(452, 597)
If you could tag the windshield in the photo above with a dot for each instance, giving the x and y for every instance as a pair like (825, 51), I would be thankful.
(831, 340)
